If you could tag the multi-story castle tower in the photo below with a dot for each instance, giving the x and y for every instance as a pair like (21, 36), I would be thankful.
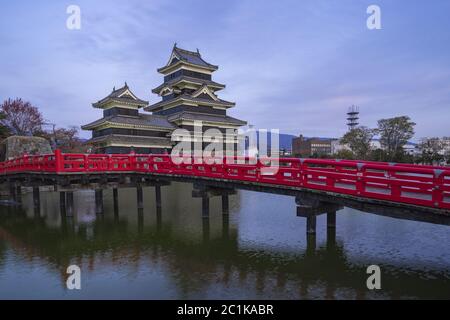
(189, 94)
(124, 129)
(188, 97)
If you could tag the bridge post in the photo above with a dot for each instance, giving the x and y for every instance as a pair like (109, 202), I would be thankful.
(116, 202)
(225, 226)
(140, 220)
(205, 192)
(19, 193)
(12, 192)
(62, 202)
(311, 224)
(205, 228)
(69, 204)
(205, 206)
(331, 219)
(310, 244)
(140, 197)
(331, 238)
(225, 204)
(158, 196)
(310, 208)
(99, 201)
(158, 218)
(36, 197)
(158, 207)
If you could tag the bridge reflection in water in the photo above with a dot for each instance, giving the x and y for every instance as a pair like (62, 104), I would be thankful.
(162, 249)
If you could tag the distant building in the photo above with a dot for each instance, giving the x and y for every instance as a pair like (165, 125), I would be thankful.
(446, 146)
(188, 96)
(306, 147)
(411, 148)
(337, 146)
(375, 144)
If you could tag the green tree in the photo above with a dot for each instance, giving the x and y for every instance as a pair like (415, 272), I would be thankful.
(394, 134)
(378, 155)
(344, 154)
(359, 140)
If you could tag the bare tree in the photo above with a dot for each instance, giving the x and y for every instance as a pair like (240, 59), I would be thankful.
(66, 139)
(21, 117)
(432, 150)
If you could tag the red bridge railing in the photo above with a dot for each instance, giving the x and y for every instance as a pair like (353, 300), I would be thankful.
(405, 183)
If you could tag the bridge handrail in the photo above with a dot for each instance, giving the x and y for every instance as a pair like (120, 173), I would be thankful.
(414, 184)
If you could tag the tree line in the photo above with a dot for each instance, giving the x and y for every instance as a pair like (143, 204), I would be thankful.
(18, 117)
(394, 134)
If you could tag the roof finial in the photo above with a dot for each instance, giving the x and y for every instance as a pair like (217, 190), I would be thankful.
(126, 85)
(114, 88)
(175, 45)
(198, 51)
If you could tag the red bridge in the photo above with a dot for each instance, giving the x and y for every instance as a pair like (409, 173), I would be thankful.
(417, 185)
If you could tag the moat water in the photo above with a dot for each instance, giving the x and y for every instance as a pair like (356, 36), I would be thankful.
(261, 252)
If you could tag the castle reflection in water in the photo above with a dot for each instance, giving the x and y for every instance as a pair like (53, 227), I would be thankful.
(258, 251)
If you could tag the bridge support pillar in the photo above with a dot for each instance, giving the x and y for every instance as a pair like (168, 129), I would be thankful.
(331, 219)
(116, 202)
(69, 204)
(140, 220)
(140, 197)
(62, 202)
(158, 219)
(205, 192)
(19, 194)
(225, 204)
(205, 228)
(99, 201)
(331, 238)
(311, 224)
(158, 196)
(205, 206)
(310, 244)
(36, 197)
(158, 208)
(12, 192)
(225, 226)
(310, 208)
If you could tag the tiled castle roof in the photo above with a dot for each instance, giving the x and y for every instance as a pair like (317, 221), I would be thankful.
(146, 120)
(190, 57)
(196, 116)
(181, 78)
(120, 95)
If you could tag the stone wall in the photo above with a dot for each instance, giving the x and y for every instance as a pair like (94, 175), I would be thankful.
(16, 146)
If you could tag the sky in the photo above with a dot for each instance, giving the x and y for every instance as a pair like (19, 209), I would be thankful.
(290, 65)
